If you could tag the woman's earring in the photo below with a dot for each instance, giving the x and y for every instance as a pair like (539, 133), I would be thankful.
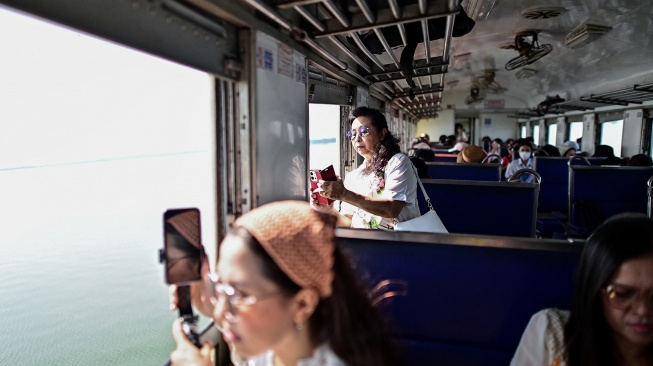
(299, 326)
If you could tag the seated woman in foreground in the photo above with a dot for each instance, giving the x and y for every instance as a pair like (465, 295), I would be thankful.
(284, 294)
(611, 319)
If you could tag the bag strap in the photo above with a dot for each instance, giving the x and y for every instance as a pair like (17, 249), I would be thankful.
(419, 181)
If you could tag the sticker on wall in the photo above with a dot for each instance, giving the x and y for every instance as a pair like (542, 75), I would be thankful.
(264, 58)
(284, 55)
(487, 123)
(495, 104)
(300, 73)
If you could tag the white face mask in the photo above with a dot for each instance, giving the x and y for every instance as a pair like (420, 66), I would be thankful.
(524, 155)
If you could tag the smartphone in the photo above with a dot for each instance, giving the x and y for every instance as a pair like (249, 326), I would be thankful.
(182, 249)
(326, 174)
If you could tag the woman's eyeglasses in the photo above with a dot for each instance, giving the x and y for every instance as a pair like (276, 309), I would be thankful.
(215, 290)
(624, 297)
(362, 131)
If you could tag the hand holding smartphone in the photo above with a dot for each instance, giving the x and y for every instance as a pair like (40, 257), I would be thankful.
(326, 174)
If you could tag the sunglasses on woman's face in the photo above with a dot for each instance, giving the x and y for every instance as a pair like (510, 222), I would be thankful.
(362, 131)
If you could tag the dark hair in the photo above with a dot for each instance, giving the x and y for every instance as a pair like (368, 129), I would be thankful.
(347, 320)
(550, 150)
(387, 148)
(420, 165)
(442, 139)
(498, 141)
(640, 160)
(619, 239)
(603, 151)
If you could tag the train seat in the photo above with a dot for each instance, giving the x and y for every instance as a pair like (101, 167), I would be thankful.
(509, 209)
(467, 298)
(598, 193)
(483, 172)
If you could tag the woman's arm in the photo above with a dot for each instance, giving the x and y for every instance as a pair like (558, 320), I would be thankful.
(377, 206)
(343, 220)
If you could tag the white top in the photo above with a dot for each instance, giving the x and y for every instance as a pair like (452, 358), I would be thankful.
(322, 356)
(542, 343)
(400, 185)
(516, 165)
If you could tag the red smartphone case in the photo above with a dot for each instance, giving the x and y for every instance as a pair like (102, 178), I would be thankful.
(326, 174)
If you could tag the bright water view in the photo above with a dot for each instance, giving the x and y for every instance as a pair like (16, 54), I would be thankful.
(96, 141)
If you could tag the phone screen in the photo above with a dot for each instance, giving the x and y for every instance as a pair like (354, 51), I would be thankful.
(182, 246)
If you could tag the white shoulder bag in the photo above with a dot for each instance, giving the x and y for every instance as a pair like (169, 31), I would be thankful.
(429, 222)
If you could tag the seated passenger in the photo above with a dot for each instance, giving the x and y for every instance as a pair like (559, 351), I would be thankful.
(640, 160)
(611, 319)
(284, 294)
(383, 189)
(471, 154)
(458, 147)
(548, 150)
(442, 141)
(422, 142)
(525, 160)
(495, 149)
(569, 149)
(606, 151)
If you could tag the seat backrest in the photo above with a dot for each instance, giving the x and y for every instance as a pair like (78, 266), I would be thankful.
(484, 208)
(554, 195)
(468, 298)
(445, 158)
(484, 172)
(608, 190)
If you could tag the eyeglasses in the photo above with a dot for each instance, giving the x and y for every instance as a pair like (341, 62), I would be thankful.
(362, 131)
(624, 297)
(216, 290)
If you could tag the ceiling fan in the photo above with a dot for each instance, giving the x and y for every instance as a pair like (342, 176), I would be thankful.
(476, 95)
(528, 52)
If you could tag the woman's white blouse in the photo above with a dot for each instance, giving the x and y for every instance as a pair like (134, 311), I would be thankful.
(400, 184)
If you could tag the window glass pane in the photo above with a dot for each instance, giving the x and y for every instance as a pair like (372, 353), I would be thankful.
(324, 131)
(522, 131)
(611, 134)
(536, 134)
(96, 142)
(551, 134)
(575, 130)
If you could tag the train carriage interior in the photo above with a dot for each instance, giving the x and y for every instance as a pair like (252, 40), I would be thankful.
(555, 71)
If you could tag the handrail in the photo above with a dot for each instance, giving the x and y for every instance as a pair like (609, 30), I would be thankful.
(587, 162)
(521, 172)
(487, 158)
(650, 187)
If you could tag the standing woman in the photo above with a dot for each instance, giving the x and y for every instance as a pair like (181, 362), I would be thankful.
(611, 319)
(383, 189)
(284, 294)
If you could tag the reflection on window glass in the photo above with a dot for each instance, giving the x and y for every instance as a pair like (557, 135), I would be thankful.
(551, 134)
(575, 130)
(522, 131)
(611, 133)
(536, 134)
(324, 135)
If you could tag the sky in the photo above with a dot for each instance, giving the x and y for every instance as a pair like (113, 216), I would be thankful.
(60, 105)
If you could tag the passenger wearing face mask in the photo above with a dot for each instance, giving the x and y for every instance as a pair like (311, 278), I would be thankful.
(525, 160)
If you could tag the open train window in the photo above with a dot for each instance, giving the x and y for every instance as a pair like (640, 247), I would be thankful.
(611, 131)
(575, 130)
(324, 135)
(536, 133)
(97, 141)
(551, 133)
(522, 130)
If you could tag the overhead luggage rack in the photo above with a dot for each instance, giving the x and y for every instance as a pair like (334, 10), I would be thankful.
(327, 25)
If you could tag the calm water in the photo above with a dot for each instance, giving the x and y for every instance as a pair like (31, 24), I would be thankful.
(80, 283)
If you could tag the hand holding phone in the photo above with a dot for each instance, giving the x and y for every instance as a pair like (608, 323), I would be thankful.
(326, 174)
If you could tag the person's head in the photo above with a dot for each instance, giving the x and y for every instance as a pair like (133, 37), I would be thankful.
(442, 139)
(471, 154)
(281, 280)
(569, 149)
(371, 138)
(425, 137)
(548, 150)
(451, 140)
(640, 160)
(524, 149)
(613, 295)
(603, 151)
(458, 127)
(496, 144)
(422, 169)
